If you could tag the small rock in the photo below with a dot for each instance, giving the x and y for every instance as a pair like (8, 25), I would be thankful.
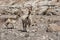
(53, 27)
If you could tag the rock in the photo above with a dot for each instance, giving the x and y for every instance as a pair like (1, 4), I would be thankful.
(10, 26)
(53, 27)
(7, 16)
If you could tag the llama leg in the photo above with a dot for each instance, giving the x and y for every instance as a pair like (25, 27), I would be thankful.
(24, 26)
(29, 22)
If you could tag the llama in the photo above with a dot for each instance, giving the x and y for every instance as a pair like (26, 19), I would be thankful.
(26, 21)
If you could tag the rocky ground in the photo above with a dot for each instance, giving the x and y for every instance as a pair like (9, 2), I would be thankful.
(45, 19)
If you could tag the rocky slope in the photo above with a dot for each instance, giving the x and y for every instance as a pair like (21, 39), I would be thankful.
(44, 16)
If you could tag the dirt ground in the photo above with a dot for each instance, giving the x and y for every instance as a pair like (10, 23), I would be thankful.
(44, 17)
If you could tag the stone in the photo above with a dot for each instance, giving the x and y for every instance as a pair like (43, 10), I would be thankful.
(53, 27)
